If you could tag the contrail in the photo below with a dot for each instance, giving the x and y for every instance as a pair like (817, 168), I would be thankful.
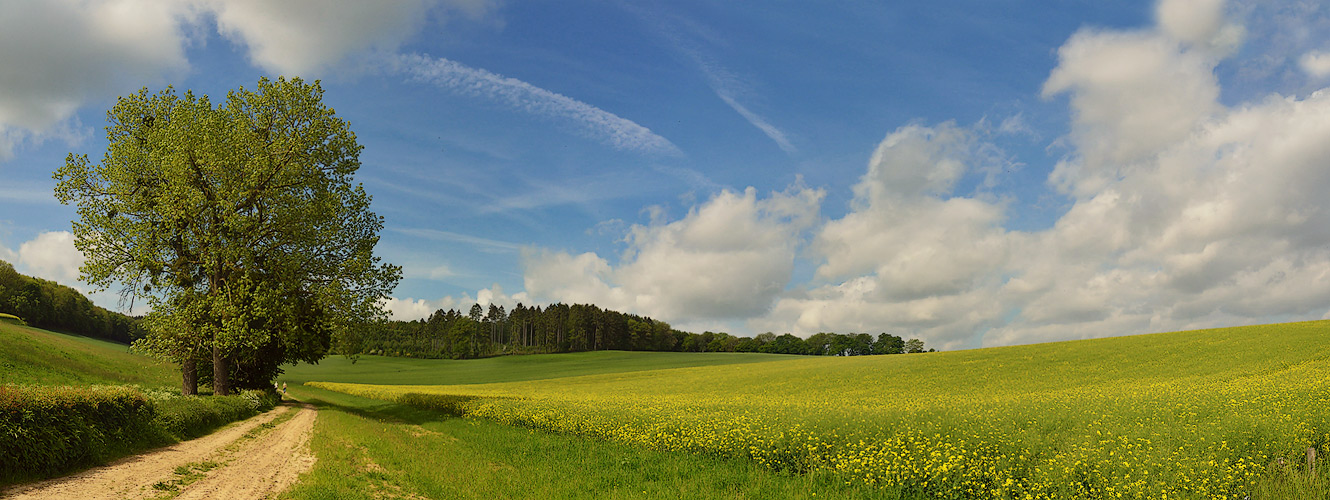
(596, 123)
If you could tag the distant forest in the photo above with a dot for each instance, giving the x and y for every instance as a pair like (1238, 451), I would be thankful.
(481, 332)
(493, 331)
(52, 306)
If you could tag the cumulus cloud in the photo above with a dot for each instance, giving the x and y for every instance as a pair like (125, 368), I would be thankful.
(910, 255)
(410, 309)
(1199, 23)
(1315, 63)
(51, 255)
(74, 51)
(1185, 213)
(61, 53)
(728, 258)
(407, 309)
(1132, 94)
(296, 37)
(8, 255)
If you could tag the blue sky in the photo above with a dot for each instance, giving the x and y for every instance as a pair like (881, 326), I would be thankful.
(969, 173)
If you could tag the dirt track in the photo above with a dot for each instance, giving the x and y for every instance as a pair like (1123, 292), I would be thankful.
(249, 468)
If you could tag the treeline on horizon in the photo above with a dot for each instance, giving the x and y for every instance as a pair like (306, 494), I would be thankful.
(51, 306)
(556, 328)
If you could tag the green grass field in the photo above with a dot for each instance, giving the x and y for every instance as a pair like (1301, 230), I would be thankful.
(6, 318)
(1221, 413)
(369, 448)
(33, 356)
(390, 370)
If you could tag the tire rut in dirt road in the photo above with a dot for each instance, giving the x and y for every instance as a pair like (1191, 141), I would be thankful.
(134, 477)
(263, 467)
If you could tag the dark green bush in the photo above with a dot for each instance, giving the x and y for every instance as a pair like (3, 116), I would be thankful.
(50, 429)
(46, 430)
(192, 416)
(185, 417)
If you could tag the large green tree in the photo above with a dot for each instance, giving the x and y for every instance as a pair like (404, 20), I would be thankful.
(239, 223)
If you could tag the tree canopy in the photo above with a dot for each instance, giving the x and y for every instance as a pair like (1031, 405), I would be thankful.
(239, 224)
(586, 327)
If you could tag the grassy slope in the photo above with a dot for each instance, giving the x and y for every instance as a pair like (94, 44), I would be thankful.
(32, 356)
(390, 370)
(1195, 356)
(368, 448)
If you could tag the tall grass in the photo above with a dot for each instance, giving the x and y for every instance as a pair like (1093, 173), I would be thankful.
(34, 356)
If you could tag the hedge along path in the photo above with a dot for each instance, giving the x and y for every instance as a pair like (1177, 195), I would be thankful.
(250, 468)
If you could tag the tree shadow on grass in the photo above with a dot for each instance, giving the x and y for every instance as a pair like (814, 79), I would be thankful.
(414, 409)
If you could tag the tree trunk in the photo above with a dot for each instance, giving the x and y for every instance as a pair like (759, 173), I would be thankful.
(189, 377)
(221, 383)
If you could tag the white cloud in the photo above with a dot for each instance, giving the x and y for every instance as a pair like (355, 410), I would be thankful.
(1186, 214)
(61, 53)
(73, 51)
(1195, 21)
(407, 309)
(297, 37)
(1315, 63)
(775, 134)
(52, 255)
(590, 121)
(1199, 23)
(482, 244)
(8, 255)
(728, 258)
(1132, 94)
(440, 272)
(410, 309)
(911, 256)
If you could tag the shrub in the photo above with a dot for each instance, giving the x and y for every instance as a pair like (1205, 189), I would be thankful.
(184, 417)
(46, 430)
(50, 429)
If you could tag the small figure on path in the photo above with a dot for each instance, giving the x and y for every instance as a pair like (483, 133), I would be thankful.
(283, 388)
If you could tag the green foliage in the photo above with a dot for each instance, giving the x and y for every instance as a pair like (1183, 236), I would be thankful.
(185, 417)
(51, 429)
(583, 327)
(52, 306)
(239, 222)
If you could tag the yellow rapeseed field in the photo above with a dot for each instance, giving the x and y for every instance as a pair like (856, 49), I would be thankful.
(1199, 414)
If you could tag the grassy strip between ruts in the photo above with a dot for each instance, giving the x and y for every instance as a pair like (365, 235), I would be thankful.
(51, 430)
(368, 448)
(194, 471)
